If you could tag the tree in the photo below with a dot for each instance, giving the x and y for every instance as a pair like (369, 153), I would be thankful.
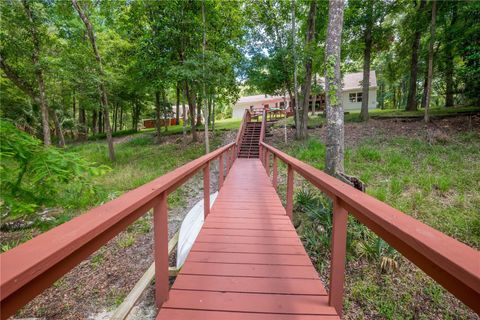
(307, 82)
(333, 90)
(430, 60)
(412, 91)
(29, 25)
(102, 87)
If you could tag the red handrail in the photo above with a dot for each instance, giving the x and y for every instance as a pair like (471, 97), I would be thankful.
(451, 263)
(35, 265)
(246, 118)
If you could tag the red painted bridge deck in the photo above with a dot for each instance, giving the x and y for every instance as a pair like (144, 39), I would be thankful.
(248, 261)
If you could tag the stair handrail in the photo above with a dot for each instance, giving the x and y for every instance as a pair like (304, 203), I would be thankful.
(246, 118)
(30, 268)
(449, 262)
(264, 125)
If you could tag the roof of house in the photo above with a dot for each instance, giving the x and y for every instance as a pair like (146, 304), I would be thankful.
(351, 81)
(265, 98)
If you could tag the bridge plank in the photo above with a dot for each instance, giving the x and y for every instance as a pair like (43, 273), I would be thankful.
(249, 302)
(182, 314)
(250, 285)
(248, 261)
(249, 240)
(250, 270)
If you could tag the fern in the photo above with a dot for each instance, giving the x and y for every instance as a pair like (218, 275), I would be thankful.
(32, 175)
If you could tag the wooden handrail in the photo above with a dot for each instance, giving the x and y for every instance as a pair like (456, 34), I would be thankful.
(246, 118)
(35, 265)
(451, 263)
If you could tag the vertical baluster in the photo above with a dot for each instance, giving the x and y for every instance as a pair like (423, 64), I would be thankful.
(267, 162)
(275, 172)
(232, 156)
(160, 223)
(220, 171)
(227, 165)
(206, 190)
(289, 207)
(337, 264)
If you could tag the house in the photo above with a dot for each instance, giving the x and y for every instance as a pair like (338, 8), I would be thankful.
(351, 96)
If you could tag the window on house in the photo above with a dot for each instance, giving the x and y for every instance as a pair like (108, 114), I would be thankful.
(355, 97)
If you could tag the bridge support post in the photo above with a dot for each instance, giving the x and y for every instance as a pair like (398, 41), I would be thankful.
(206, 190)
(289, 207)
(220, 172)
(160, 223)
(337, 264)
(275, 172)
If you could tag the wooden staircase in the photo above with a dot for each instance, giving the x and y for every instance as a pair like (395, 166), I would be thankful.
(249, 145)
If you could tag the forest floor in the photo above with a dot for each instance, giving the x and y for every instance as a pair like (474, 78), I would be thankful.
(430, 172)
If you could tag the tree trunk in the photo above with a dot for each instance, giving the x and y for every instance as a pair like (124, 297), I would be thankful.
(82, 120)
(103, 89)
(213, 113)
(191, 108)
(58, 129)
(430, 60)
(314, 103)
(425, 84)
(94, 122)
(199, 112)
(166, 120)
(307, 83)
(449, 67)
(412, 92)
(158, 116)
(100, 121)
(74, 106)
(184, 124)
(295, 84)
(366, 61)
(333, 90)
(177, 114)
(38, 74)
(121, 117)
(206, 112)
(115, 116)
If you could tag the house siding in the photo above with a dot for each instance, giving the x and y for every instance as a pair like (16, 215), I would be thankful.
(350, 106)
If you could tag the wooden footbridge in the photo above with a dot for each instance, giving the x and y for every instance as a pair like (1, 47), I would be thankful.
(248, 261)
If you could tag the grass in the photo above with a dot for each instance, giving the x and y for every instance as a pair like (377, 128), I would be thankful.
(354, 116)
(139, 160)
(437, 183)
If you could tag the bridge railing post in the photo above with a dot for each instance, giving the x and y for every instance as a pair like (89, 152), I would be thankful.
(160, 223)
(206, 190)
(220, 171)
(337, 263)
(289, 207)
(275, 172)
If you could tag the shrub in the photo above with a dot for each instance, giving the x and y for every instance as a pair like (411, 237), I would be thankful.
(32, 175)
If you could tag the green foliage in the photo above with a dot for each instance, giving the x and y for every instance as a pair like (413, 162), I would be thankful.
(33, 175)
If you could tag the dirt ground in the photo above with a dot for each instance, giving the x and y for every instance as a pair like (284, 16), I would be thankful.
(96, 286)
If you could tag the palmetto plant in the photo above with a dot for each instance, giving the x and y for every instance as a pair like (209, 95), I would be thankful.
(376, 249)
